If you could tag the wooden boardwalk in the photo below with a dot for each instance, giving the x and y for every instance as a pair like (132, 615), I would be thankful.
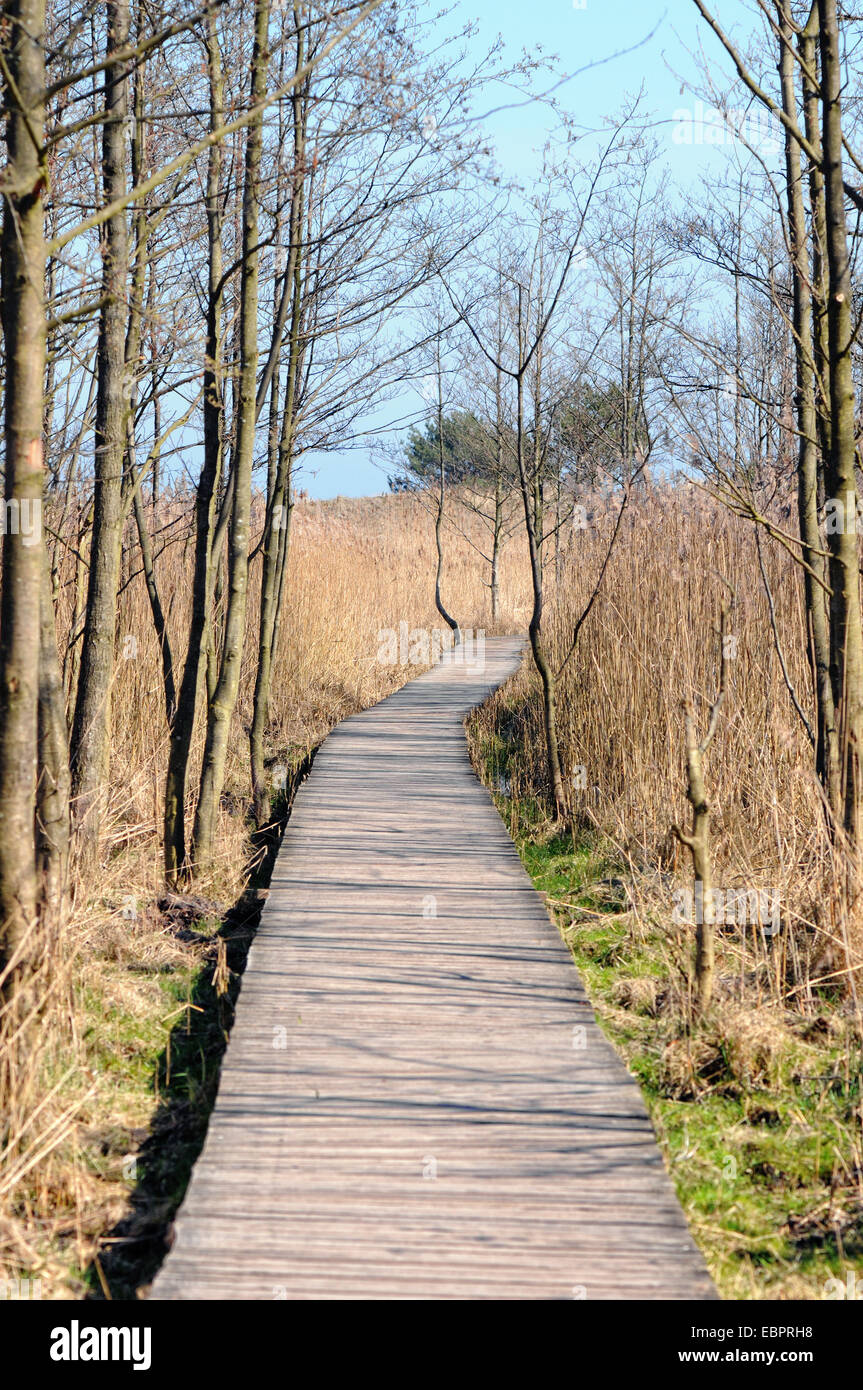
(416, 1100)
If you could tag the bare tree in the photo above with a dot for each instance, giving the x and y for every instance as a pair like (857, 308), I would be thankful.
(91, 726)
(820, 261)
(697, 841)
(24, 327)
(225, 695)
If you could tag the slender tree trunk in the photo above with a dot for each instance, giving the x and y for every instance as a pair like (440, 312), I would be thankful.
(91, 727)
(24, 328)
(284, 543)
(698, 843)
(558, 554)
(183, 724)
(157, 407)
(846, 634)
(132, 480)
(225, 695)
(273, 419)
(698, 840)
(497, 530)
(156, 608)
(540, 656)
(73, 651)
(271, 572)
(809, 54)
(827, 748)
(53, 784)
(439, 514)
(278, 499)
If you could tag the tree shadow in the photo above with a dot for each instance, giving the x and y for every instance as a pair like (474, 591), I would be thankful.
(187, 1079)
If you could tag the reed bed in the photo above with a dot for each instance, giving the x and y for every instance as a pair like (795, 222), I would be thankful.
(81, 1089)
(81, 1056)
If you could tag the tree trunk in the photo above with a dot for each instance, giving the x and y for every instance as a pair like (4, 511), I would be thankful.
(495, 544)
(91, 727)
(225, 695)
(497, 532)
(439, 515)
(183, 724)
(53, 783)
(818, 229)
(156, 609)
(846, 634)
(283, 558)
(698, 843)
(24, 327)
(73, 651)
(827, 748)
(540, 657)
(278, 499)
(133, 476)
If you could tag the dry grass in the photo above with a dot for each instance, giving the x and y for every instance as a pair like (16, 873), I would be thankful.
(115, 985)
(787, 1008)
(652, 638)
(126, 972)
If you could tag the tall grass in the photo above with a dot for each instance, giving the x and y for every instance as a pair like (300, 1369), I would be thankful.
(757, 1104)
(81, 1088)
(79, 1054)
(651, 640)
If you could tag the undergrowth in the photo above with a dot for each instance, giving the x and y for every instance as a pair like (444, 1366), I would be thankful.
(757, 1107)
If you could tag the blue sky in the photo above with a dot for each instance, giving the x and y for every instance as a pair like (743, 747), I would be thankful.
(647, 43)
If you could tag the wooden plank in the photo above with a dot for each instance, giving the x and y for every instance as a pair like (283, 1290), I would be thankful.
(416, 1100)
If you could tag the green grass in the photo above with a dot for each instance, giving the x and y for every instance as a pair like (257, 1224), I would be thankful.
(157, 1066)
(154, 1002)
(167, 1057)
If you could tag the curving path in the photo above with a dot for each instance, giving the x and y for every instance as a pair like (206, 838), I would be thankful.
(416, 1101)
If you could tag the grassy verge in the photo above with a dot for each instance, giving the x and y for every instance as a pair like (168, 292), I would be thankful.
(179, 1075)
(172, 1085)
(757, 1109)
(151, 989)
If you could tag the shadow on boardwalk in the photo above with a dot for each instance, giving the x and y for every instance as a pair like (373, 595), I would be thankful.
(187, 1079)
(417, 1100)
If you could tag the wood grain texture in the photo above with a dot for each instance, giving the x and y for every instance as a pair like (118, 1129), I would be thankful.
(416, 1100)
